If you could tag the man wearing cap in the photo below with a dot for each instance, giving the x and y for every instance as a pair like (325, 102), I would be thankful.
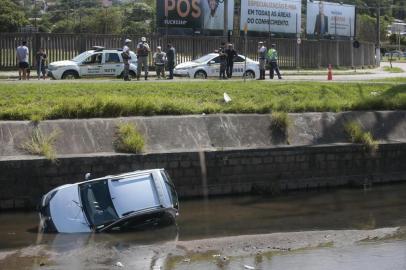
(142, 58)
(262, 60)
(126, 59)
(159, 61)
(273, 62)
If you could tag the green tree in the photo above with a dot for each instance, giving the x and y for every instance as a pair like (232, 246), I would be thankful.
(11, 18)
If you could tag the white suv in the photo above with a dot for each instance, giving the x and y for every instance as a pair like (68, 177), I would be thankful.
(93, 63)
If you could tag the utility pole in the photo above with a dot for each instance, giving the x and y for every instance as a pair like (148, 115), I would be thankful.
(378, 34)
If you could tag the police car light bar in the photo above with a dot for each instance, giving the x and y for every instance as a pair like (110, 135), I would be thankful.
(98, 48)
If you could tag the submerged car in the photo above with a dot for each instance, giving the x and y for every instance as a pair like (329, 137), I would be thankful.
(111, 203)
(99, 62)
(209, 66)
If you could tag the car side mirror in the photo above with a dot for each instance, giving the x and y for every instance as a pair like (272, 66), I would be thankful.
(211, 62)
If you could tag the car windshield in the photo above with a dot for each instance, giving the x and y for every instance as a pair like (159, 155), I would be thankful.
(97, 203)
(203, 59)
(79, 58)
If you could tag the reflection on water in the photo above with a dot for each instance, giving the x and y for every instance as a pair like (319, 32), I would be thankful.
(378, 207)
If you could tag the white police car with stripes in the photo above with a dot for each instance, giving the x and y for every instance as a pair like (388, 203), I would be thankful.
(98, 62)
(209, 66)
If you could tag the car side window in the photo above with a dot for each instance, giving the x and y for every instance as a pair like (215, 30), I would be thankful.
(216, 60)
(93, 59)
(112, 58)
(238, 59)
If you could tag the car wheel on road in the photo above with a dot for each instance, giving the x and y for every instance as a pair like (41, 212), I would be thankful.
(70, 75)
(133, 75)
(200, 74)
(249, 74)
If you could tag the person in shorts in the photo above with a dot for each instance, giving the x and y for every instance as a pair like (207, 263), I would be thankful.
(22, 54)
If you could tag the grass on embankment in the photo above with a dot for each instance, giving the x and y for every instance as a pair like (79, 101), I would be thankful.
(27, 101)
(393, 69)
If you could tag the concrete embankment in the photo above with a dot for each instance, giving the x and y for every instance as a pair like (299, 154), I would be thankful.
(213, 154)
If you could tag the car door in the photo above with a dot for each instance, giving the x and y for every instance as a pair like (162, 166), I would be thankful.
(213, 66)
(92, 65)
(238, 68)
(112, 64)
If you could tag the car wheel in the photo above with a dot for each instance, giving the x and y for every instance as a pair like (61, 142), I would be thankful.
(249, 74)
(200, 74)
(70, 75)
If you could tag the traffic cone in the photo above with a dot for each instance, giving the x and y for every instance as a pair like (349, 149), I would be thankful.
(330, 73)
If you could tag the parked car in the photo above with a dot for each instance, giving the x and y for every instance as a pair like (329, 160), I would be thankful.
(394, 54)
(209, 66)
(93, 63)
(110, 203)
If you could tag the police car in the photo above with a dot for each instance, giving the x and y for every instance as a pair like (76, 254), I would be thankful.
(209, 66)
(93, 63)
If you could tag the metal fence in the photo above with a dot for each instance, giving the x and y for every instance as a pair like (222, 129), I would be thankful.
(308, 54)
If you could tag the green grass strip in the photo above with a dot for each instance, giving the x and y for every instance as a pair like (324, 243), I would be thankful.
(27, 101)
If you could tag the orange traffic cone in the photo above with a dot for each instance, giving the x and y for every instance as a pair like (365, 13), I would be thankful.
(330, 73)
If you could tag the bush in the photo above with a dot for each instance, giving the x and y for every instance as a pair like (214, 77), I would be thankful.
(128, 140)
(280, 121)
(357, 135)
(41, 144)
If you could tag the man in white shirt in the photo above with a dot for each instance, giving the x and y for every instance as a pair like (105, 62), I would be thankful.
(126, 59)
(22, 54)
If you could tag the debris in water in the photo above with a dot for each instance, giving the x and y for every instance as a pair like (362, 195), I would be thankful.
(119, 264)
(216, 255)
(248, 267)
(186, 260)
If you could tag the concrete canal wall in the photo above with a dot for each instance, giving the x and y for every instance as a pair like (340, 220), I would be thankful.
(215, 155)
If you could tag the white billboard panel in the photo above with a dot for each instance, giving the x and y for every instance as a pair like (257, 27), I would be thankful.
(276, 16)
(325, 18)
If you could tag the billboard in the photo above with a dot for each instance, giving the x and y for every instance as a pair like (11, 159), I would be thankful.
(330, 19)
(279, 16)
(196, 14)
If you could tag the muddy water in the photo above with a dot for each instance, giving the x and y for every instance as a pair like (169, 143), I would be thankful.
(21, 247)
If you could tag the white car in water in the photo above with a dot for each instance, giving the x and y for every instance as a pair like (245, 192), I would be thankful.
(111, 203)
(209, 66)
(98, 62)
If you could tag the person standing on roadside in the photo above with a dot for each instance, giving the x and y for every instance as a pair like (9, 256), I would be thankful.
(262, 60)
(223, 61)
(142, 58)
(159, 61)
(126, 59)
(170, 58)
(22, 59)
(231, 53)
(273, 62)
(40, 60)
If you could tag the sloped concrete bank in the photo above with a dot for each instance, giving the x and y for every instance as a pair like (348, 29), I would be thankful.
(216, 154)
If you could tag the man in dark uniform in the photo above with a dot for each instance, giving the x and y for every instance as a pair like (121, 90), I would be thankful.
(231, 53)
(223, 61)
(170, 58)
